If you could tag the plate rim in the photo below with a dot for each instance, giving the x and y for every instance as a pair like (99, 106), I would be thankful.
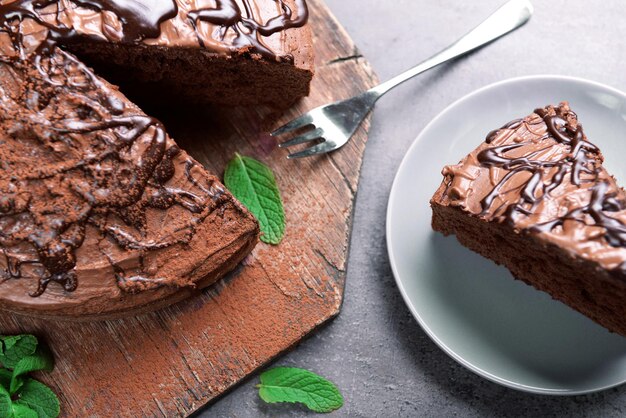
(393, 263)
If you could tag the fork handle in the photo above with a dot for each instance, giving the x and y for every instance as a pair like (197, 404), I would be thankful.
(507, 18)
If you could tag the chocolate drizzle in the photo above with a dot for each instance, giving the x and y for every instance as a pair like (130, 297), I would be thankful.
(99, 163)
(546, 177)
(142, 20)
(248, 31)
(580, 159)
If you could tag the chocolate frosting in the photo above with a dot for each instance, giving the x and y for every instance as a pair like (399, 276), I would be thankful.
(222, 26)
(542, 176)
(84, 174)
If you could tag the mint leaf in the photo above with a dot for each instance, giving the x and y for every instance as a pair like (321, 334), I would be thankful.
(22, 411)
(40, 360)
(40, 398)
(5, 403)
(8, 342)
(290, 384)
(14, 348)
(253, 183)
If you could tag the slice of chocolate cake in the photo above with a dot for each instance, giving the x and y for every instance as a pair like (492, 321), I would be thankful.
(535, 198)
(232, 52)
(101, 214)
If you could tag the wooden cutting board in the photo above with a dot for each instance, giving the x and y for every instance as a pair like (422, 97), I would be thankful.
(174, 361)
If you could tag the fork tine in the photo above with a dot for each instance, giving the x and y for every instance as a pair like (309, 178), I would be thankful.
(322, 148)
(309, 136)
(303, 120)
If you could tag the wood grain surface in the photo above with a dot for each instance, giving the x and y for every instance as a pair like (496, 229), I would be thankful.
(174, 361)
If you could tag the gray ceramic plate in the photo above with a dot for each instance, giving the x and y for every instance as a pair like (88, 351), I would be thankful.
(474, 310)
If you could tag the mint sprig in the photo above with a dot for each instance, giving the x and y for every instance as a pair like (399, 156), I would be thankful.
(15, 347)
(294, 385)
(22, 411)
(20, 395)
(40, 360)
(254, 185)
(39, 398)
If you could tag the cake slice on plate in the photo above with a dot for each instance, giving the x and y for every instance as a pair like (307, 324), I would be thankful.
(535, 198)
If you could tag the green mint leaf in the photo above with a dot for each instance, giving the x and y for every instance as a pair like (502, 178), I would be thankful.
(15, 348)
(5, 378)
(22, 411)
(290, 384)
(41, 359)
(40, 398)
(254, 185)
(7, 342)
(5, 403)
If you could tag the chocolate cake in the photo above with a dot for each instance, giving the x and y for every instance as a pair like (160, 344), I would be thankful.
(535, 198)
(101, 213)
(232, 52)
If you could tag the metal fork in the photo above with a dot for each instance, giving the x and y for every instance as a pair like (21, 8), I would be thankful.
(333, 125)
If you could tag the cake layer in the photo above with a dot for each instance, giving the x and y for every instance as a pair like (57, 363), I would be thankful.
(574, 281)
(536, 198)
(190, 76)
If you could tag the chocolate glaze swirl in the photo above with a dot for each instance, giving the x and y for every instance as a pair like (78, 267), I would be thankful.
(249, 31)
(235, 26)
(541, 175)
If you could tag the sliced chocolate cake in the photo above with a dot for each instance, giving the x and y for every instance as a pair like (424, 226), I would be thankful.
(233, 52)
(101, 214)
(535, 198)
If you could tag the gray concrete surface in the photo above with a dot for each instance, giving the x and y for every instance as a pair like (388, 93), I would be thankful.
(379, 357)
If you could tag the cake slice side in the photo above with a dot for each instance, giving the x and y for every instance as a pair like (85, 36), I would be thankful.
(159, 75)
(535, 198)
